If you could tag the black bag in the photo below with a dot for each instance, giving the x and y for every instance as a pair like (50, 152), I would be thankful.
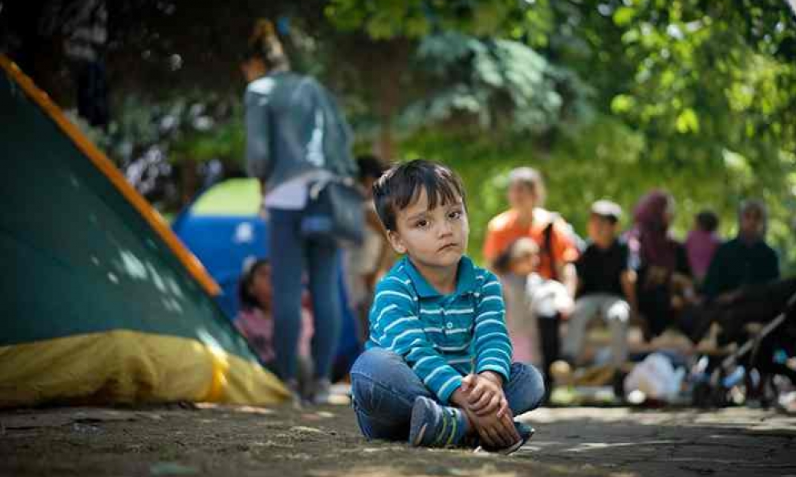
(334, 210)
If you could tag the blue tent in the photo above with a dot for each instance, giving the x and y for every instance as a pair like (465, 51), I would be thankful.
(222, 228)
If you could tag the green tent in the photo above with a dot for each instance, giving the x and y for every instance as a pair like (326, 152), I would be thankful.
(100, 302)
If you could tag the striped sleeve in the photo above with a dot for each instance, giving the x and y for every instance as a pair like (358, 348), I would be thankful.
(492, 344)
(395, 326)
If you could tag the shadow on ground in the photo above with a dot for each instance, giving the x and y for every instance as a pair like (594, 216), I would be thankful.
(240, 441)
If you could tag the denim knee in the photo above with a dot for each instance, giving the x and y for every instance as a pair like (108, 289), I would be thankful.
(525, 390)
(384, 388)
(382, 382)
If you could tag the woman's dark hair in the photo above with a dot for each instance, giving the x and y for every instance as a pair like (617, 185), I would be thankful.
(264, 45)
(707, 220)
(401, 186)
(245, 297)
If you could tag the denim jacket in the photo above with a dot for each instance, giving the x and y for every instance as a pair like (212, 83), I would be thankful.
(294, 126)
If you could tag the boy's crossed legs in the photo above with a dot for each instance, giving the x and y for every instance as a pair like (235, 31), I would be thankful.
(385, 390)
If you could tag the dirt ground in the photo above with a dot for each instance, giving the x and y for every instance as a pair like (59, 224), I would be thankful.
(226, 441)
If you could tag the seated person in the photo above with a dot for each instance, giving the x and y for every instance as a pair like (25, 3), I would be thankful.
(606, 285)
(664, 287)
(256, 323)
(547, 301)
(438, 370)
(702, 243)
(527, 217)
(742, 283)
(744, 260)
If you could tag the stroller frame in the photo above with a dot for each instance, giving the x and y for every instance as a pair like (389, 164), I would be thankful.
(713, 392)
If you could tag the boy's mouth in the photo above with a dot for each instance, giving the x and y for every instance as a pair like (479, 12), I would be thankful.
(448, 246)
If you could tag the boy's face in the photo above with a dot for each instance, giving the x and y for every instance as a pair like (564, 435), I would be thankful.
(524, 265)
(601, 230)
(432, 238)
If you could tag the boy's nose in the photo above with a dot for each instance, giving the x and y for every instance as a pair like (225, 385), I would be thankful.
(444, 229)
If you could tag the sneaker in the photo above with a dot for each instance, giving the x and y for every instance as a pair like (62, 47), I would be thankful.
(295, 399)
(321, 391)
(433, 425)
(525, 431)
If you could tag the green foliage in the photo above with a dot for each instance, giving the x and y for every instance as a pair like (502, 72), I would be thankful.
(383, 19)
(503, 83)
(608, 99)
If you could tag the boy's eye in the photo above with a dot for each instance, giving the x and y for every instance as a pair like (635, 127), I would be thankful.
(455, 214)
(421, 223)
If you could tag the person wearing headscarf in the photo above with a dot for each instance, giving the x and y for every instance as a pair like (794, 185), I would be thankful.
(664, 276)
(295, 137)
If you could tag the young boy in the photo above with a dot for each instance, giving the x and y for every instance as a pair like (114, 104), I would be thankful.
(606, 284)
(438, 368)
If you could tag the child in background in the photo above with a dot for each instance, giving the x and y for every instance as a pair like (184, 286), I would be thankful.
(438, 368)
(255, 320)
(547, 300)
(702, 243)
(366, 263)
(606, 285)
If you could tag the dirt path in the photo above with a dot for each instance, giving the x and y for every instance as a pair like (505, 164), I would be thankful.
(229, 441)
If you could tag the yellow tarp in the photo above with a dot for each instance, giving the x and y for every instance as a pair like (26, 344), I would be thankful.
(130, 367)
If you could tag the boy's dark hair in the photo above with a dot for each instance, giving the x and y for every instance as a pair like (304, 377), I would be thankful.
(246, 299)
(370, 166)
(707, 220)
(607, 210)
(401, 185)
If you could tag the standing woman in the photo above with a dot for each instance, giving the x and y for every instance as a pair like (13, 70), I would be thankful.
(664, 283)
(295, 136)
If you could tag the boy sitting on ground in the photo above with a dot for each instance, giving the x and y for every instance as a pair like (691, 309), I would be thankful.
(438, 368)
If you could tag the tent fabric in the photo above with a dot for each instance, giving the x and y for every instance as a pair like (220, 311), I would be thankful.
(239, 197)
(129, 367)
(222, 244)
(90, 270)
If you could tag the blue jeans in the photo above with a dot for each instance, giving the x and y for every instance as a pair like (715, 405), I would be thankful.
(384, 390)
(290, 255)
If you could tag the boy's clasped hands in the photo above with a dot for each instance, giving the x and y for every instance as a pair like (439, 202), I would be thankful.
(482, 399)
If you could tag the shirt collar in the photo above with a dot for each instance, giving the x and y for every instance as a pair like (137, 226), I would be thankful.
(465, 279)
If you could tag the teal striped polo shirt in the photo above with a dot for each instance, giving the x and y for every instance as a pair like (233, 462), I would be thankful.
(442, 337)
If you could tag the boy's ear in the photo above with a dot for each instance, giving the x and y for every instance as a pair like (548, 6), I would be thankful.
(396, 242)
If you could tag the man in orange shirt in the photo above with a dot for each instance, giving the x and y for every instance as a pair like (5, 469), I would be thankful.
(557, 252)
(527, 218)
